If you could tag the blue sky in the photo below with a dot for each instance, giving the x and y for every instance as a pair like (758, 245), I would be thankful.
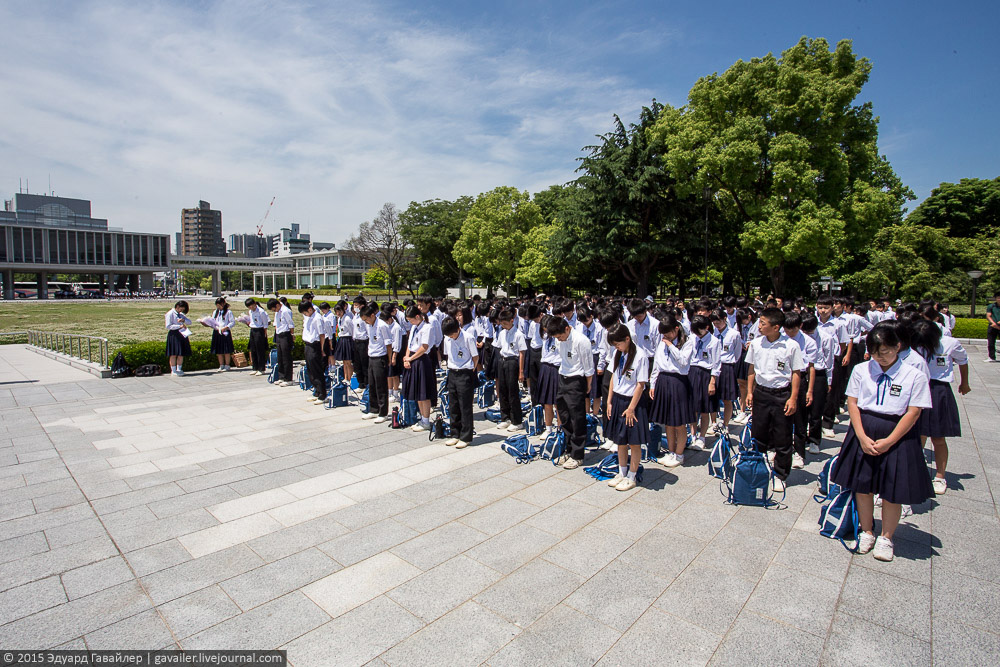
(337, 107)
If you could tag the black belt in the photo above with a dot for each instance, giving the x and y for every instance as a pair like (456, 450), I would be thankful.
(769, 390)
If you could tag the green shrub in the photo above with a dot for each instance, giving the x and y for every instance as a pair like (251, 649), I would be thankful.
(434, 287)
(966, 327)
(154, 352)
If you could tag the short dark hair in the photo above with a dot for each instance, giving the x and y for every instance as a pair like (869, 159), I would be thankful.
(249, 302)
(273, 304)
(774, 316)
(792, 320)
(556, 325)
(449, 326)
(305, 305)
(506, 315)
(809, 323)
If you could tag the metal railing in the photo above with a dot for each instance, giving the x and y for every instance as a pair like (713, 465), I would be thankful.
(90, 348)
(15, 337)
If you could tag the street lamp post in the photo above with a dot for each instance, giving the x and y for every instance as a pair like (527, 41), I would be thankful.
(975, 274)
(600, 282)
(461, 290)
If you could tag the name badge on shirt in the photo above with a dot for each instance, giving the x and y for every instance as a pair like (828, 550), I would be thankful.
(781, 365)
(569, 355)
(646, 337)
(895, 390)
(460, 354)
(628, 374)
(940, 361)
(704, 355)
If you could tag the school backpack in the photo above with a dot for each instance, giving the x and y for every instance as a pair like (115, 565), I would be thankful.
(355, 385)
(746, 435)
(305, 382)
(272, 358)
(337, 395)
(445, 403)
(272, 377)
(657, 444)
(534, 421)
(518, 447)
(493, 415)
(608, 468)
(148, 371)
(440, 429)
(594, 438)
(554, 446)
(486, 391)
(364, 402)
(751, 481)
(828, 489)
(119, 367)
(839, 520)
(722, 458)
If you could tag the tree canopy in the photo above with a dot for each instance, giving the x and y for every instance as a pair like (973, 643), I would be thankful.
(382, 240)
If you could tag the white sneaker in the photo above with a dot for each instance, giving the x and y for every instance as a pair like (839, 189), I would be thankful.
(283, 383)
(220, 369)
(421, 427)
(393, 399)
(698, 444)
(939, 485)
(907, 511)
(883, 549)
(502, 425)
(177, 373)
(451, 442)
(770, 458)
(613, 482)
(571, 464)
(318, 401)
(865, 542)
(813, 448)
(513, 428)
(461, 444)
(829, 433)
(740, 418)
(626, 484)
(369, 415)
(609, 446)
(798, 462)
(380, 420)
(673, 461)
(989, 361)
(778, 485)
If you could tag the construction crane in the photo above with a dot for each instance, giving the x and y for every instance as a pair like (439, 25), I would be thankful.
(260, 226)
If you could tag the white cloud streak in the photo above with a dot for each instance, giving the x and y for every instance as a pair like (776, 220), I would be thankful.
(334, 108)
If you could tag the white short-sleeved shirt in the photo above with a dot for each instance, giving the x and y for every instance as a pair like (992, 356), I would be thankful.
(510, 342)
(749, 332)
(730, 344)
(625, 382)
(575, 356)
(942, 363)
(483, 328)
(258, 318)
(645, 334)
(396, 336)
(911, 358)
(900, 387)
(826, 352)
(360, 330)
(835, 328)
(810, 351)
(328, 323)
(345, 326)
(461, 351)
(672, 359)
(435, 319)
(535, 335)
(707, 353)
(283, 321)
(175, 320)
(379, 338)
(419, 335)
(774, 363)
(593, 334)
(550, 351)
(312, 327)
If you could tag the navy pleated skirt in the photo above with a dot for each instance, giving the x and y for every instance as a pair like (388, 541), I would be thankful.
(221, 344)
(899, 475)
(177, 345)
(621, 433)
(941, 421)
(548, 384)
(418, 381)
(701, 402)
(742, 367)
(595, 385)
(726, 388)
(672, 400)
(344, 349)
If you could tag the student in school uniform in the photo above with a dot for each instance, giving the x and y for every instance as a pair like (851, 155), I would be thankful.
(284, 328)
(178, 345)
(628, 422)
(807, 394)
(330, 331)
(775, 366)
(670, 388)
(312, 341)
(548, 374)
(643, 328)
(608, 317)
(222, 335)
(748, 331)
(576, 372)
(588, 325)
(343, 350)
(390, 310)
(428, 308)
(484, 337)
(510, 347)
(418, 381)
(359, 355)
(534, 354)
(833, 326)
(706, 366)
(730, 346)
(379, 360)
(881, 453)
(940, 420)
(822, 362)
(460, 349)
(257, 346)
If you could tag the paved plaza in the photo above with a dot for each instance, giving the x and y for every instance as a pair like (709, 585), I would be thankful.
(217, 511)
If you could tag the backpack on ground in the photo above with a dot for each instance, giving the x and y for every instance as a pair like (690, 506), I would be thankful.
(518, 447)
(828, 489)
(119, 367)
(148, 371)
(408, 413)
(444, 402)
(364, 403)
(272, 377)
(594, 438)
(752, 479)
(534, 421)
(486, 391)
(337, 395)
(722, 459)
(440, 429)
(305, 382)
(608, 468)
(657, 445)
(554, 446)
(839, 520)
(493, 415)
(272, 358)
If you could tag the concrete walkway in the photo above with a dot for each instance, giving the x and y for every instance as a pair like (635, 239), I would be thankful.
(19, 365)
(217, 511)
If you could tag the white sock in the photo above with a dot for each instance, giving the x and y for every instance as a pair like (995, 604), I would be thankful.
(631, 476)
(623, 470)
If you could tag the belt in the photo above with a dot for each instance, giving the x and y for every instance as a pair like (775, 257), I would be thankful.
(769, 390)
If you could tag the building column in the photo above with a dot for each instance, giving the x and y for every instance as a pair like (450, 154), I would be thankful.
(8, 284)
(101, 282)
(146, 281)
(217, 282)
(133, 282)
(43, 285)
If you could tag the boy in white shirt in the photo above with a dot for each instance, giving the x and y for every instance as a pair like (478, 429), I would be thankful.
(576, 372)
(460, 348)
(510, 344)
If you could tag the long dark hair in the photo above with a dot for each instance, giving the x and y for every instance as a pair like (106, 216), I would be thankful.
(413, 311)
(617, 334)
(225, 306)
(668, 324)
(926, 338)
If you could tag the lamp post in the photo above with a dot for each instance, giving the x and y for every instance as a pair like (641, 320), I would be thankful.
(975, 274)
(600, 282)
(461, 290)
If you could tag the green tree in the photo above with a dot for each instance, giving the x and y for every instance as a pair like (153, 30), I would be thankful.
(967, 208)
(376, 275)
(536, 266)
(382, 240)
(495, 234)
(432, 227)
(791, 160)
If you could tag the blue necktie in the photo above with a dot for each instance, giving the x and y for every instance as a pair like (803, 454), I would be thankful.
(697, 347)
(881, 385)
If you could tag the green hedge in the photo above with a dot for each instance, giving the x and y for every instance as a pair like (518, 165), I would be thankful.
(966, 327)
(154, 352)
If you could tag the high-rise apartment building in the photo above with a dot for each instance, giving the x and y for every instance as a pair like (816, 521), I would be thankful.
(201, 232)
(249, 245)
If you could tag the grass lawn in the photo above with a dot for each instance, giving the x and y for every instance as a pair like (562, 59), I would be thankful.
(121, 323)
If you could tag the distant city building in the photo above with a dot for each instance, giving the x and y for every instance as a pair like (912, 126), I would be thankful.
(178, 243)
(315, 269)
(290, 241)
(201, 232)
(249, 245)
(46, 211)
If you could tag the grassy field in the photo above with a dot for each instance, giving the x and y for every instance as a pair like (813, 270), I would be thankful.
(121, 323)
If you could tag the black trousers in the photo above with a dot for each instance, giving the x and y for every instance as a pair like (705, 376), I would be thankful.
(816, 409)
(534, 362)
(378, 384)
(571, 403)
(800, 420)
(605, 380)
(508, 392)
(837, 388)
(316, 367)
(258, 349)
(461, 388)
(991, 342)
(361, 361)
(771, 428)
(283, 341)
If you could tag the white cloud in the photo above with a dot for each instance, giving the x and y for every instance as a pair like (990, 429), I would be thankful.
(335, 109)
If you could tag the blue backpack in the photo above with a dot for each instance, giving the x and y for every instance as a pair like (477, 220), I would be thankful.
(722, 459)
(525, 407)
(828, 489)
(608, 468)
(751, 481)
(364, 402)
(409, 413)
(553, 446)
(355, 385)
(839, 520)
(337, 395)
(272, 359)
(518, 447)
(534, 422)
(493, 415)
(657, 446)
(305, 382)
(486, 391)
(594, 438)
(272, 377)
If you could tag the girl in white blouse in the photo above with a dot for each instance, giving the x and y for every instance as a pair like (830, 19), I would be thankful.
(178, 346)
(628, 423)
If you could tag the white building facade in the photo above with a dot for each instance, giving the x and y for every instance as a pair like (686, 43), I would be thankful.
(312, 270)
